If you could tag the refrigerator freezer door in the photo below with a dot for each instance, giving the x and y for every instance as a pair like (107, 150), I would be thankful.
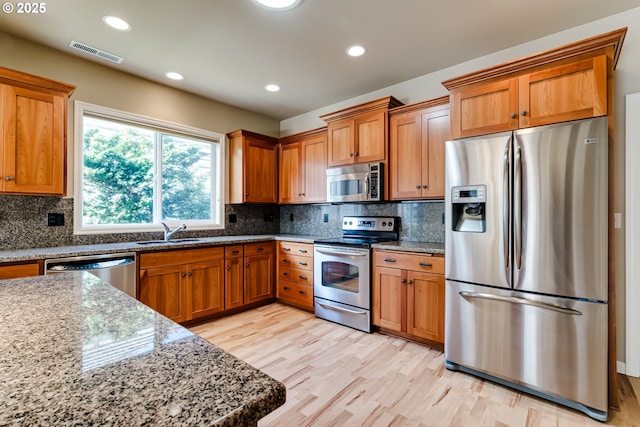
(560, 209)
(472, 256)
(552, 347)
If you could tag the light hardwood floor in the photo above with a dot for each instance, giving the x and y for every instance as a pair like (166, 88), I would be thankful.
(337, 376)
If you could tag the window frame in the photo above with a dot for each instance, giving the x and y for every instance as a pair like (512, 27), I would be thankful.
(218, 204)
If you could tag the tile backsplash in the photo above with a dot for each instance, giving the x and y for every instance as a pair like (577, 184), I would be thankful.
(23, 221)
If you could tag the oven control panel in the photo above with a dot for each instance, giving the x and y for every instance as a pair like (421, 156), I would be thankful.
(370, 223)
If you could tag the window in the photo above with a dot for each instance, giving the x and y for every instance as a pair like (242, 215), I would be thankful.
(132, 173)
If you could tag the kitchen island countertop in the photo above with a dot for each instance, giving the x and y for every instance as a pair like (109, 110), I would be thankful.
(76, 351)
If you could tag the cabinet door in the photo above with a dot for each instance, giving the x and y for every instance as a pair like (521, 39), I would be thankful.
(34, 137)
(569, 92)
(484, 108)
(314, 177)
(435, 132)
(425, 305)
(161, 289)
(291, 189)
(341, 142)
(258, 278)
(370, 137)
(233, 283)
(260, 172)
(389, 298)
(19, 270)
(206, 283)
(405, 156)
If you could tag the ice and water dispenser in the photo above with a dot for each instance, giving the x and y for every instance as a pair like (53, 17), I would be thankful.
(468, 205)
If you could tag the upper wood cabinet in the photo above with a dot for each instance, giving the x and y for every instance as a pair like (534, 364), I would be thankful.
(568, 83)
(33, 134)
(303, 162)
(253, 168)
(417, 134)
(359, 134)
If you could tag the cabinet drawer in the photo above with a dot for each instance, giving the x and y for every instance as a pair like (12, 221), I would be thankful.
(303, 277)
(296, 293)
(258, 248)
(234, 251)
(304, 263)
(409, 261)
(294, 248)
(185, 256)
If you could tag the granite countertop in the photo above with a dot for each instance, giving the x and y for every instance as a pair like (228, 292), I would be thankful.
(76, 351)
(420, 247)
(111, 248)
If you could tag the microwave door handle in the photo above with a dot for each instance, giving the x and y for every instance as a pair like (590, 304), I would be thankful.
(366, 184)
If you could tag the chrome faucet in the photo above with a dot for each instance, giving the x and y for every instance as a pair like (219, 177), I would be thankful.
(168, 233)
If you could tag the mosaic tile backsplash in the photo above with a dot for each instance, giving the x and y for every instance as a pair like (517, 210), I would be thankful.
(23, 221)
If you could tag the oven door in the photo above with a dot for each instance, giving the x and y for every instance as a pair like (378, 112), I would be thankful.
(342, 274)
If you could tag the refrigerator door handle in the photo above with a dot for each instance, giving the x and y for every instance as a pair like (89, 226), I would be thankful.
(522, 301)
(517, 207)
(505, 206)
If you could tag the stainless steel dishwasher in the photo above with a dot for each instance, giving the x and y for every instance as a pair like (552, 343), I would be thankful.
(118, 270)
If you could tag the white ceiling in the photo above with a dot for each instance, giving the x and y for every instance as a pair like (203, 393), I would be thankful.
(228, 50)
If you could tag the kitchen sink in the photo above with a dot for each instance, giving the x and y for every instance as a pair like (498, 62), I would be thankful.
(160, 242)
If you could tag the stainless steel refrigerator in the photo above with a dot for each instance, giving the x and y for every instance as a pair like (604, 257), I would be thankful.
(526, 261)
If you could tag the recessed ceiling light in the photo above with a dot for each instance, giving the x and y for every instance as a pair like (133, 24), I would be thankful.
(356, 50)
(174, 76)
(117, 23)
(279, 4)
(272, 88)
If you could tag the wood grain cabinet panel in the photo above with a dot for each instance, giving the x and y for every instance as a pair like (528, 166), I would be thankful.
(33, 134)
(408, 295)
(295, 274)
(417, 134)
(13, 271)
(303, 164)
(253, 168)
(258, 278)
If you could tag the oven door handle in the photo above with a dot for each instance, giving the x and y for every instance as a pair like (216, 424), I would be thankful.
(333, 307)
(334, 252)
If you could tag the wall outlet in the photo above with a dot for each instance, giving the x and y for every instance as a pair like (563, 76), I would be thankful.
(233, 218)
(325, 217)
(290, 217)
(55, 219)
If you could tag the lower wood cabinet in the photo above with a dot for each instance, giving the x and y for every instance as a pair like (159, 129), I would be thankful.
(183, 284)
(295, 274)
(258, 272)
(24, 269)
(408, 294)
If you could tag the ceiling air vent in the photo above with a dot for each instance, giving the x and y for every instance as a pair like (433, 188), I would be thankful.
(95, 52)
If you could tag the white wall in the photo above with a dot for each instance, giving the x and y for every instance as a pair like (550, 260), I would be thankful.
(627, 80)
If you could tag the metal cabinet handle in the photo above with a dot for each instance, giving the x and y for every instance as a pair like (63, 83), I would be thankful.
(302, 292)
(235, 252)
(286, 249)
(259, 249)
(410, 282)
(418, 187)
(304, 251)
(286, 274)
(524, 113)
(228, 267)
(424, 186)
(286, 288)
(302, 263)
(183, 275)
(425, 264)
(403, 281)
(9, 178)
(357, 154)
(247, 265)
(190, 274)
(286, 260)
(350, 154)
(302, 277)
(513, 115)
(389, 260)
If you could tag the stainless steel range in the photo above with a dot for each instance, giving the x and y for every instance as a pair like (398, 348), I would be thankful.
(342, 270)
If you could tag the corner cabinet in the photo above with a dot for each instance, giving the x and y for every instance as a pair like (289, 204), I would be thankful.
(417, 134)
(253, 168)
(359, 134)
(183, 284)
(568, 83)
(408, 295)
(33, 134)
(303, 164)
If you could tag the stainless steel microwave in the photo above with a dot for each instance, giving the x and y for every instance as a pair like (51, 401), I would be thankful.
(355, 183)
